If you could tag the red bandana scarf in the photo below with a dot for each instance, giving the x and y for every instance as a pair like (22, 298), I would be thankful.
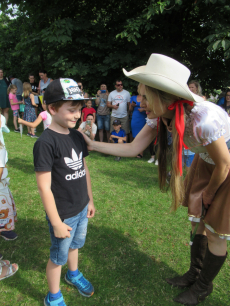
(179, 124)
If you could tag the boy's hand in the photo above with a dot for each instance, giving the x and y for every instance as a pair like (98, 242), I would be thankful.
(91, 210)
(62, 230)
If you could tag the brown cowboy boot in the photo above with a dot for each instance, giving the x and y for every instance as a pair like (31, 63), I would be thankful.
(203, 286)
(197, 250)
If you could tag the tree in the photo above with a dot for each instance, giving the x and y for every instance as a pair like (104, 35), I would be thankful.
(92, 40)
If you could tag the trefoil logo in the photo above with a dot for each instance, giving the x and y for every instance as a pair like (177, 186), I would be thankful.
(75, 163)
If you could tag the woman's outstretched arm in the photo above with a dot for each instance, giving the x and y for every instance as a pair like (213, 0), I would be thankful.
(140, 143)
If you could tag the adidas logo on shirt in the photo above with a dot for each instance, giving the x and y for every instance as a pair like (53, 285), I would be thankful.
(75, 163)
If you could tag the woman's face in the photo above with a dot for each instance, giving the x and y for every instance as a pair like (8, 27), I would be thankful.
(1, 74)
(193, 88)
(43, 76)
(228, 97)
(158, 111)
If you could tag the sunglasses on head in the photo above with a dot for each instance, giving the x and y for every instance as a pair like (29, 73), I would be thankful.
(119, 84)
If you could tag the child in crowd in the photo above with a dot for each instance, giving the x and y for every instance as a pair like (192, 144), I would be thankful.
(64, 185)
(8, 215)
(88, 127)
(14, 103)
(43, 116)
(88, 110)
(29, 112)
(118, 135)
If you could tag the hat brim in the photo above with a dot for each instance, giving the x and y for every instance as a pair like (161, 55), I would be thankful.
(163, 83)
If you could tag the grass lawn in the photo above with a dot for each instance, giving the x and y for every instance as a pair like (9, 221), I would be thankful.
(133, 242)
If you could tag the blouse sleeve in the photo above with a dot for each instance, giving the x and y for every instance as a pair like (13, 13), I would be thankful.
(209, 127)
(152, 122)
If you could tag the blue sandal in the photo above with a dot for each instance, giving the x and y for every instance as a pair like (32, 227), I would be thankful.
(57, 302)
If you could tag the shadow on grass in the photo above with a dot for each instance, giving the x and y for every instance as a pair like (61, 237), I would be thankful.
(21, 164)
(120, 272)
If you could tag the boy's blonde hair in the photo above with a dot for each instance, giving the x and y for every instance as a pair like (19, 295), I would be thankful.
(10, 88)
(27, 89)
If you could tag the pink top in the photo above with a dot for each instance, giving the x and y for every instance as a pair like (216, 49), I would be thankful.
(46, 118)
(14, 98)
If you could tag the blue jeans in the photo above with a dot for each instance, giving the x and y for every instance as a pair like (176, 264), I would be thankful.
(187, 159)
(59, 249)
(103, 122)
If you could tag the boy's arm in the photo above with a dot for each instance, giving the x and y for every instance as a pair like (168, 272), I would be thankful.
(94, 116)
(82, 115)
(61, 230)
(91, 207)
(31, 124)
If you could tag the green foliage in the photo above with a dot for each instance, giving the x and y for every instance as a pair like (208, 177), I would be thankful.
(92, 41)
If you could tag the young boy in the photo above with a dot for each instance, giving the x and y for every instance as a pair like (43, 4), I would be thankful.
(89, 129)
(64, 185)
(118, 135)
(88, 110)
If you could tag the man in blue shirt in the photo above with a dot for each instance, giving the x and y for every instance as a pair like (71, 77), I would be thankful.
(118, 135)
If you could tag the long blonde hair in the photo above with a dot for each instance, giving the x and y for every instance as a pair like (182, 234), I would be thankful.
(27, 89)
(198, 87)
(10, 88)
(167, 157)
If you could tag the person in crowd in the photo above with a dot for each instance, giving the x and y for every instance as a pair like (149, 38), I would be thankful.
(195, 87)
(64, 185)
(18, 84)
(165, 94)
(29, 112)
(118, 135)
(14, 103)
(226, 104)
(7, 269)
(88, 127)
(34, 86)
(103, 112)
(8, 215)
(44, 81)
(4, 99)
(138, 117)
(118, 101)
(88, 110)
(80, 85)
(42, 117)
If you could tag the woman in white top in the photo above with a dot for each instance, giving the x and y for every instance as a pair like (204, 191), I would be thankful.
(44, 82)
(204, 128)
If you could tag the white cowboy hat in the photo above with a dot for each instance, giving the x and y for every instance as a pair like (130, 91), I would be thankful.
(166, 74)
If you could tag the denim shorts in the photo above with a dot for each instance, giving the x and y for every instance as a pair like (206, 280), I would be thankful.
(59, 249)
(15, 113)
(103, 122)
(187, 159)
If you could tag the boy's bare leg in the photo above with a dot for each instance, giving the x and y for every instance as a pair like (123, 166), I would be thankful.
(53, 274)
(73, 259)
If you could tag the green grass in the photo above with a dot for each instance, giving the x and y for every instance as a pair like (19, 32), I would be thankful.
(133, 242)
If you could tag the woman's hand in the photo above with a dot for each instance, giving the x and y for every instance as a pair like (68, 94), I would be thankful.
(207, 198)
(88, 141)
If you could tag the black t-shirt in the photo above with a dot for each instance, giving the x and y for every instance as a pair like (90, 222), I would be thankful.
(62, 155)
(34, 87)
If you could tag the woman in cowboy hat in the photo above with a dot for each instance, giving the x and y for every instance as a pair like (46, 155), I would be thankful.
(204, 128)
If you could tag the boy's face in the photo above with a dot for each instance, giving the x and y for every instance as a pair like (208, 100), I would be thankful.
(31, 79)
(89, 104)
(67, 115)
(90, 118)
(117, 127)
